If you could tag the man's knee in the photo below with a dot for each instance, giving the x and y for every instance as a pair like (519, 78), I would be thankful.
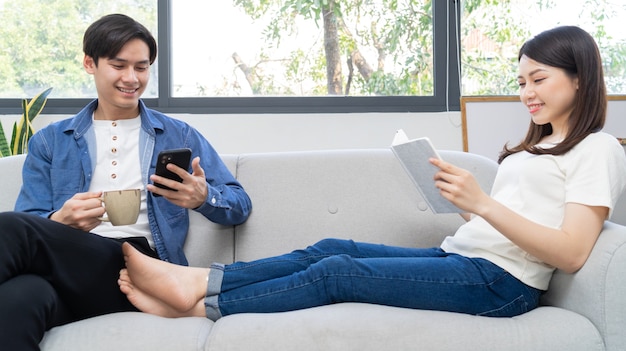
(12, 221)
(30, 307)
(29, 294)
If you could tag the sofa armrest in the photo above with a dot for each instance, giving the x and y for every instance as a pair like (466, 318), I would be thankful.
(11, 183)
(598, 289)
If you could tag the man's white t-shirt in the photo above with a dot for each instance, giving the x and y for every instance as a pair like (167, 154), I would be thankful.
(538, 187)
(118, 167)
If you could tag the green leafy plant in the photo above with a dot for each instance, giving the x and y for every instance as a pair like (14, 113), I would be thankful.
(23, 128)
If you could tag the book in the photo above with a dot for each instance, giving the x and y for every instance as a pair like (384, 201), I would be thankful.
(413, 156)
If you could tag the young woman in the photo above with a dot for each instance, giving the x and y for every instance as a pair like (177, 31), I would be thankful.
(550, 198)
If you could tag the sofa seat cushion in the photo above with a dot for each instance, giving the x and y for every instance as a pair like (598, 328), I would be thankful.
(130, 331)
(354, 326)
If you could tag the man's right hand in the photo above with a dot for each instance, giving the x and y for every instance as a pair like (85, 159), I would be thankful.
(81, 211)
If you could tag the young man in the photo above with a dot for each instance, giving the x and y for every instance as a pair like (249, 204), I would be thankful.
(58, 261)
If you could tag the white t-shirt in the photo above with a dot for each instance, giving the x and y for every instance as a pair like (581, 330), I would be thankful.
(118, 167)
(538, 187)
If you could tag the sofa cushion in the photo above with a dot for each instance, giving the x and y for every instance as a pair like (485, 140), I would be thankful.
(359, 327)
(130, 331)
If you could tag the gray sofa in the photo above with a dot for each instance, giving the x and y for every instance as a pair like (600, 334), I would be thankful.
(302, 197)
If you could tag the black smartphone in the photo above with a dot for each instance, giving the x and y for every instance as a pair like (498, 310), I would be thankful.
(179, 157)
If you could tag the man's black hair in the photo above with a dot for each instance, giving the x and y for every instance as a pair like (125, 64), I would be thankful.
(107, 36)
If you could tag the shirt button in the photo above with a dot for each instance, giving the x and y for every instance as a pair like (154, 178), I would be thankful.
(213, 201)
(114, 124)
(114, 137)
(113, 176)
(113, 150)
(114, 163)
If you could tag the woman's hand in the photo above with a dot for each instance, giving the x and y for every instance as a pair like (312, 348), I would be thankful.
(460, 187)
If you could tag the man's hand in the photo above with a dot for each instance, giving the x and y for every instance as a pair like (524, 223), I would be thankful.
(81, 211)
(191, 192)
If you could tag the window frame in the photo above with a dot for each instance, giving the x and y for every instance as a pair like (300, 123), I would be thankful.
(446, 21)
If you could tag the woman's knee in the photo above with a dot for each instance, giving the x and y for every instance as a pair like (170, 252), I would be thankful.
(333, 246)
(335, 265)
(334, 274)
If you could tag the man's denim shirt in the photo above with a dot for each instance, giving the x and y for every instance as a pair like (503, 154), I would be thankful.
(59, 165)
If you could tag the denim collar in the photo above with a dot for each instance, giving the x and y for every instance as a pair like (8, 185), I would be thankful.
(82, 122)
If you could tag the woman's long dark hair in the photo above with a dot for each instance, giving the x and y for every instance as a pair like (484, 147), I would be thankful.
(573, 50)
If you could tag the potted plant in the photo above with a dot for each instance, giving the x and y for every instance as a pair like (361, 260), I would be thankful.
(23, 128)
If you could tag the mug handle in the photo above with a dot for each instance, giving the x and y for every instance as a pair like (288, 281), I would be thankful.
(103, 219)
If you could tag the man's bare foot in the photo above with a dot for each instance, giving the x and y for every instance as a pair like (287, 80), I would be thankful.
(151, 281)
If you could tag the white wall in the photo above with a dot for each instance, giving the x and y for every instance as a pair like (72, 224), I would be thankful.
(269, 133)
(493, 122)
(296, 132)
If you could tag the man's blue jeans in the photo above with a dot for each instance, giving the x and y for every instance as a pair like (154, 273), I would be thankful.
(334, 271)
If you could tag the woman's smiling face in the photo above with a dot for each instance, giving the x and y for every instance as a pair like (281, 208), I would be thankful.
(548, 93)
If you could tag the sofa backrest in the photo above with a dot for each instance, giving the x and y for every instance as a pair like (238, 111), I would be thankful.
(619, 213)
(208, 242)
(365, 195)
(301, 197)
(11, 180)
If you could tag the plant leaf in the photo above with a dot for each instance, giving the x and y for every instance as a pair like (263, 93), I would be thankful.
(23, 128)
(37, 103)
(5, 150)
(19, 130)
(13, 137)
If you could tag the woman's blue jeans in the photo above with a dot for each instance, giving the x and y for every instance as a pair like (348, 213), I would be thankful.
(334, 271)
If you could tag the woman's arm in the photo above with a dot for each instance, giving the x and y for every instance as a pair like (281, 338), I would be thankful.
(466, 216)
(566, 248)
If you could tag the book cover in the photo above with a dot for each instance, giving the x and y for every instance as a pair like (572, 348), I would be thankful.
(413, 155)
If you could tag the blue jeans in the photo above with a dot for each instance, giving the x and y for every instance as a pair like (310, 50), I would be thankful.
(334, 271)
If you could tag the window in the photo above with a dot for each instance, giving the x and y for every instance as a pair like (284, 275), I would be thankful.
(287, 56)
(493, 32)
(196, 70)
(41, 44)
(238, 56)
(289, 48)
